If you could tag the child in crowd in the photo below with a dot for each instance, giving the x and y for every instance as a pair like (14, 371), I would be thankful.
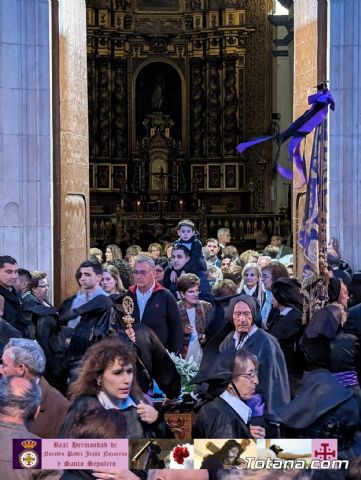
(188, 237)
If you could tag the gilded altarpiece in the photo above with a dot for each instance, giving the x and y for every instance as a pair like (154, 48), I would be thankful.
(173, 87)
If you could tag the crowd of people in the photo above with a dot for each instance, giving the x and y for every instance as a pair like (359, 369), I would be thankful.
(95, 364)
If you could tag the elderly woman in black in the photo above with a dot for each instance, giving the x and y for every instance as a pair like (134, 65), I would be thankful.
(222, 412)
(272, 392)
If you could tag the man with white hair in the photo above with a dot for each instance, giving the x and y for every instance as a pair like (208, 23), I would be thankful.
(155, 306)
(19, 403)
(224, 237)
(25, 358)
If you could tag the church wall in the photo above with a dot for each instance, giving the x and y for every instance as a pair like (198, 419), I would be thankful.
(344, 132)
(25, 134)
(71, 156)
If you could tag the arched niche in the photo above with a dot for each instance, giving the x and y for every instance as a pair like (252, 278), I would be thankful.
(154, 80)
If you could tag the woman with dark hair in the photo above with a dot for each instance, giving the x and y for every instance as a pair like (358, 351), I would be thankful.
(223, 412)
(227, 457)
(337, 292)
(287, 327)
(107, 379)
(328, 404)
(194, 315)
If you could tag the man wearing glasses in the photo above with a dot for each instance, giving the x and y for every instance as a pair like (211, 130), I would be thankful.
(155, 306)
(45, 322)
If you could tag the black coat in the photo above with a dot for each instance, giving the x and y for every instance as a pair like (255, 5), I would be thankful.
(288, 330)
(216, 319)
(217, 419)
(161, 314)
(273, 379)
(197, 262)
(13, 313)
(7, 331)
(46, 323)
(98, 318)
(205, 289)
(324, 409)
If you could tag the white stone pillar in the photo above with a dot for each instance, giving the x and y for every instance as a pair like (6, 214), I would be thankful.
(25, 133)
(345, 132)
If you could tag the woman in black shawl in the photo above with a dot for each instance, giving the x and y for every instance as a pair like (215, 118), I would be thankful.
(287, 327)
(222, 412)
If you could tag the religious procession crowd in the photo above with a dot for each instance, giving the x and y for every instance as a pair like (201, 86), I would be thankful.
(97, 365)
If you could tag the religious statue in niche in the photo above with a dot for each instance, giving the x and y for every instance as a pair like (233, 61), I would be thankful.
(158, 90)
(214, 176)
(158, 94)
(230, 176)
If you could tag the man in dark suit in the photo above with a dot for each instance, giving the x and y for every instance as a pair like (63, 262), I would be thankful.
(155, 306)
(12, 308)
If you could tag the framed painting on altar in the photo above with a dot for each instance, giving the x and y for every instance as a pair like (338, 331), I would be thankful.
(230, 176)
(199, 177)
(214, 177)
(103, 177)
(119, 177)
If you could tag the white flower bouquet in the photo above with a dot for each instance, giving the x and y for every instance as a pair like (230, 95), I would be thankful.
(187, 369)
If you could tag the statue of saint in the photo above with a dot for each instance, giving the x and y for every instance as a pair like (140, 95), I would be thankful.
(158, 94)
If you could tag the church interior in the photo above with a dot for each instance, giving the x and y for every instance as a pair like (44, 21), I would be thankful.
(173, 87)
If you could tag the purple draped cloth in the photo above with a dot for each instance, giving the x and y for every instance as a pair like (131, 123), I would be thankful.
(297, 131)
(257, 404)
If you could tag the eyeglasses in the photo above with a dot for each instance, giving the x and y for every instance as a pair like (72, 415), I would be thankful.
(250, 376)
(193, 292)
(43, 286)
(142, 273)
